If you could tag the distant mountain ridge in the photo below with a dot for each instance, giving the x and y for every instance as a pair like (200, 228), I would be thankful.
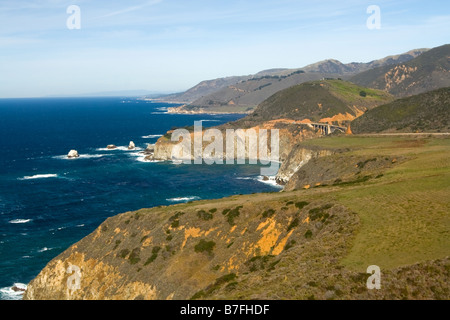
(426, 72)
(243, 93)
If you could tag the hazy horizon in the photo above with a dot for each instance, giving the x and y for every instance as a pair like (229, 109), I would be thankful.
(169, 46)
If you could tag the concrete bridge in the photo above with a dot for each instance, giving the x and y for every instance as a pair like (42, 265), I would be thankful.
(325, 128)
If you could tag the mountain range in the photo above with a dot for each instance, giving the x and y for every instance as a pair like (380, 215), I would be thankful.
(426, 72)
(241, 94)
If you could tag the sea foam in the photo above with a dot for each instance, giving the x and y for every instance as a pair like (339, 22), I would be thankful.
(15, 292)
(82, 156)
(40, 176)
(183, 199)
(19, 221)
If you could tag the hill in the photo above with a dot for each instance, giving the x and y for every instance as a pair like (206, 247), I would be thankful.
(313, 242)
(241, 94)
(426, 112)
(319, 101)
(203, 88)
(428, 71)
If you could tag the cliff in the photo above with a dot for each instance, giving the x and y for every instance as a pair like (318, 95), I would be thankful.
(311, 243)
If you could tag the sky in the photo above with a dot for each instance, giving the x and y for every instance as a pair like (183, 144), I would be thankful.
(171, 45)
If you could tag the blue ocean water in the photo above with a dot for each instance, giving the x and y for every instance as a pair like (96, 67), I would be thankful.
(48, 202)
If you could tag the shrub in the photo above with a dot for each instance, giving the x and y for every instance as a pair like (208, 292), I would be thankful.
(320, 213)
(154, 255)
(117, 244)
(175, 224)
(123, 253)
(268, 213)
(232, 214)
(259, 262)
(204, 245)
(134, 256)
(293, 224)
(198, 295)
(300, 205)
(202, 214)
(290, 244)
(308, 234)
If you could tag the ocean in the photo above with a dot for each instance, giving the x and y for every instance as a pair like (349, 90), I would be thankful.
(49, 202)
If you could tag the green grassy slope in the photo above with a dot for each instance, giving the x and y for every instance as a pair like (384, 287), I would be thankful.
(317, 100)
(427, 112)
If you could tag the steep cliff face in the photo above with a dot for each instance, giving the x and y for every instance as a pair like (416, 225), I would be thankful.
(289, 135)
(300, 244)
(192, 250)
(297, 158)
(268, 246)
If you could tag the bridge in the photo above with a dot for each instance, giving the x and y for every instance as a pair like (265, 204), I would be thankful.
(325, 128)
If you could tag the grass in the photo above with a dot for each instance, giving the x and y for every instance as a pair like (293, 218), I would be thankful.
(405, 217)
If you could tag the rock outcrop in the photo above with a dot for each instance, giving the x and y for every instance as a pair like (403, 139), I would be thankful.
(296, 159)
(131, 146)
(73, 154)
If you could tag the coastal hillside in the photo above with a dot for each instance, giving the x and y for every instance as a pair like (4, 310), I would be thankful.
(242, 94)
(428, 71)
(426, 112)
(384, 203)
(202, 89)
(318, 101)
(292, 110)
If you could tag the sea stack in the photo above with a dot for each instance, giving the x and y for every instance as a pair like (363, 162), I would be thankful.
(111, 146)
(73, 154)
(131, 146)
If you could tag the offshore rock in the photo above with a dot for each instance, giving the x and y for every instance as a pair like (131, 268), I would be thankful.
(73, 154)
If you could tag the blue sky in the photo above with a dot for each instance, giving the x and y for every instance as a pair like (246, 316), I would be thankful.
(171, 45)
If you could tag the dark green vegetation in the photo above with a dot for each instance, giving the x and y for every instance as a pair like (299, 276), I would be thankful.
(205, 246)
(315, 101)
(426, 112)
